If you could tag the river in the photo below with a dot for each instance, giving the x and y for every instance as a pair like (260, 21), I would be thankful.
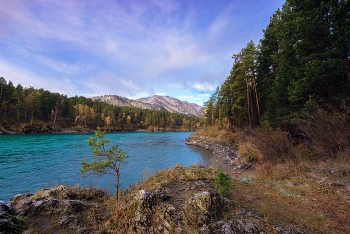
(35, 161)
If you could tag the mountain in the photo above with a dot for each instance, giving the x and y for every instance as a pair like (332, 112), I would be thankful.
(173, 105)
(155, 102)
(123, 101)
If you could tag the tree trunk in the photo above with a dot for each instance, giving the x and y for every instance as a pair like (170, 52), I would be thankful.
(212, 117)
(31, 119)
(248, 102)
(54, 121)
(256, 96)
(117, 174)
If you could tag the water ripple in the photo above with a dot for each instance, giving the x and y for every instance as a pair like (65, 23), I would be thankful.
(29, 162)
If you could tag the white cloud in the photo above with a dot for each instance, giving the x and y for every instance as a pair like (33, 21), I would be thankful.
(108, 83)
(203, 87)
(130, 48)
(203, 95)
(185, 97)
(161, 94)
(27, 78)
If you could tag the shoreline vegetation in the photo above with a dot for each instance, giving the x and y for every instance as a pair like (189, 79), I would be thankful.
(72, 131)
(47, 128)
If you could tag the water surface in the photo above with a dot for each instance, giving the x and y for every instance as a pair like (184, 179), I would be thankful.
(32, 162)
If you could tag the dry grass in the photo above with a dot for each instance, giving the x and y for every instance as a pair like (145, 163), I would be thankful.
(303, 195)
(215, 134)
(301, 177)
(248, 152)
(178, 172)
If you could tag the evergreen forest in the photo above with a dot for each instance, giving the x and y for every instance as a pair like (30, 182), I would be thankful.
(28, 110)
(302, 64)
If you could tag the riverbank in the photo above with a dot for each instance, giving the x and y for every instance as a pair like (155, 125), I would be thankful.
(44, 128)
(311, 194)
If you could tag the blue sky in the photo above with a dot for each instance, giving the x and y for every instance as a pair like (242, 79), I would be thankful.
(129, 48)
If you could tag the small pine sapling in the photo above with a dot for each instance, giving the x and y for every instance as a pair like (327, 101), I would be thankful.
(105, 161)
(222, 183)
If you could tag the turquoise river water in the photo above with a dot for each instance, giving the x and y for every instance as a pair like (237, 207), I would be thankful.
(32, 162)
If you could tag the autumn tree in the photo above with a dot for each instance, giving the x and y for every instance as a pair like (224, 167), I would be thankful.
(105, 160)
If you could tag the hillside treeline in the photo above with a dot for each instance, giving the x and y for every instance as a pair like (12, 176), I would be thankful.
(301, 64)
(22, 107)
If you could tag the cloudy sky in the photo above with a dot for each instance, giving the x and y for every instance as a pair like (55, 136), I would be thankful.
(132, 48)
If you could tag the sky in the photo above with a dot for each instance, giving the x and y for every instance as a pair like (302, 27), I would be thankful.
(131, 48)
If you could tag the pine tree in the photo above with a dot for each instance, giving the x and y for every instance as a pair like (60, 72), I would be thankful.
(105, 160)
(222, 183)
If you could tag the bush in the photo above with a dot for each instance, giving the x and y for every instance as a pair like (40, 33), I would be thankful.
(326, 134)
(248, 152)
(275, 145)
(222, 183)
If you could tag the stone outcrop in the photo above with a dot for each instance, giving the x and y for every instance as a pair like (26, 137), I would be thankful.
(57, 210)
(189, 206)
(9, 222)
(178, 200)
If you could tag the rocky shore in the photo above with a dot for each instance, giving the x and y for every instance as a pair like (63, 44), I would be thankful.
(225, 153)
(178, 200)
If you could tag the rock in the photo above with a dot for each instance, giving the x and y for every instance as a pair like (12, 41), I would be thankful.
(54, 207)
(5, 207)
(244, 166)
(9, 222)
(146, 201)
(236, 226)
(198, 210)
(245, 180)
(226, 152)
(164, 197)
(146, 204)
(291, 229)
(203, 201)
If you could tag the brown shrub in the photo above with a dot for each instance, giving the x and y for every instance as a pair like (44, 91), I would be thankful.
(326, 134)
(249, 152)
(275, 145)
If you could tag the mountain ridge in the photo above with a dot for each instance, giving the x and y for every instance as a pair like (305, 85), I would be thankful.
(154, 102)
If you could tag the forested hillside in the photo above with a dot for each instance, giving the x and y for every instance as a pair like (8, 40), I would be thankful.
(301, 64)
(22, 108)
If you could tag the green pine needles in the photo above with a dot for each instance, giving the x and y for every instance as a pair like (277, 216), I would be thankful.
(222, 183)
(105, 160)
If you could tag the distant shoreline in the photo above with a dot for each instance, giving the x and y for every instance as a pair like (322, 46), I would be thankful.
(73, 131)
